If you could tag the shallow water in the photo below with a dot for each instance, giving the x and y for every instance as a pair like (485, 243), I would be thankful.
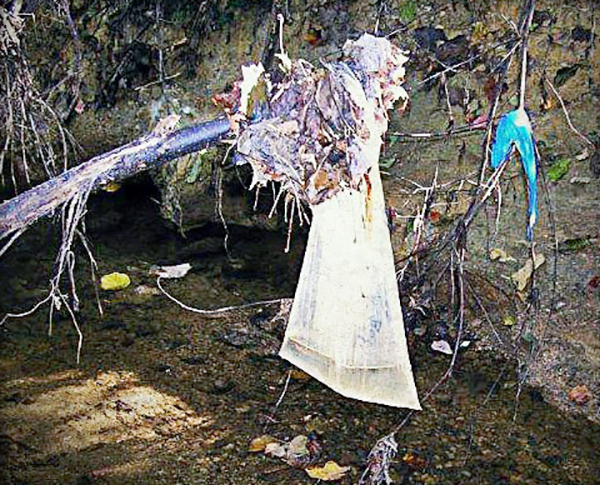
(166, 395)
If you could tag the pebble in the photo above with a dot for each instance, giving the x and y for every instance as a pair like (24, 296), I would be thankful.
(221, 386)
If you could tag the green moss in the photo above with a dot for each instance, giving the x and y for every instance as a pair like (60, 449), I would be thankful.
(574, 244)
(559, 169)
(408, 11)
(200, 165)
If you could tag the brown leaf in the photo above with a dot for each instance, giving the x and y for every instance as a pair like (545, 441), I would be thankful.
(500, 255)
(580, 394)
(522, 277)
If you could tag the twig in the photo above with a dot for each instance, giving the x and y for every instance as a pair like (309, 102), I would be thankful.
(271, 417)
(158, 81)
(427, 136)
(217, 311)
(93, 267)
(26, 313)
(285, 387)
(219, 205)
(77, 56)
(486, 314)
(76, 325)
(473, 421)
(524, 46)
(567, 117)
(498, 211)
(72, 214)
(448, 104)
(13, 238)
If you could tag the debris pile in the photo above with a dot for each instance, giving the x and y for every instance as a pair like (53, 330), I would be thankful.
(317, 132)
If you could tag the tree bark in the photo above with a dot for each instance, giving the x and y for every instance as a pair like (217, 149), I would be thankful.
(146, 152)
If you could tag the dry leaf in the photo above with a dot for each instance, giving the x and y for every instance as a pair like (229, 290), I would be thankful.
(442, 346)
(145, 290)
(509, 321)
(580, 394)
(297, 453)
(522, 277)
(251, 75)
(275, 449)
(585, 154)
(500, 255)
(259, 444)
(328, 473)
(167, 272)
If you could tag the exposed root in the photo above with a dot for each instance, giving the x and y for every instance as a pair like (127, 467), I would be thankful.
(72, 214)
(34, 144)
(566, 112)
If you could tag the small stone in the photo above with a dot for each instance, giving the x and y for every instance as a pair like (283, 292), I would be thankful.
(221, 386)
(441, 346)
(129, 340)
(144, 330)
(581, 180)
(145, 290)
(299, 375)
(194, 360)
(113, 325)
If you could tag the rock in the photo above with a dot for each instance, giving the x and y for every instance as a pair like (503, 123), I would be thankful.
(194, 360)
(221, 386)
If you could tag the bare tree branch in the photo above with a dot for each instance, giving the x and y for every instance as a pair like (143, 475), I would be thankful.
(147, 151)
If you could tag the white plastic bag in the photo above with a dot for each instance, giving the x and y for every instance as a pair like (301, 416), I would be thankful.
(346, 326)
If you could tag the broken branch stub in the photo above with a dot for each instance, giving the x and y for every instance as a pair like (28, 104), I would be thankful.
(321, 141)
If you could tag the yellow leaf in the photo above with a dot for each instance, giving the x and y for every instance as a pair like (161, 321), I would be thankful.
(330, 472)
(500, 255)
(111, 187)
(509, 321)
(115, 281)
(258, 444)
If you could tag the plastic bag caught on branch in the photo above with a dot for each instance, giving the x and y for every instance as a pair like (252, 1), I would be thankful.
(320, 138)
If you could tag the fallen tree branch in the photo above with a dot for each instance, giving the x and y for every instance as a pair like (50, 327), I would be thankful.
(159, 146)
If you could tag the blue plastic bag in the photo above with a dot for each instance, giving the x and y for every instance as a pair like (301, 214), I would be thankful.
(514, 130)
